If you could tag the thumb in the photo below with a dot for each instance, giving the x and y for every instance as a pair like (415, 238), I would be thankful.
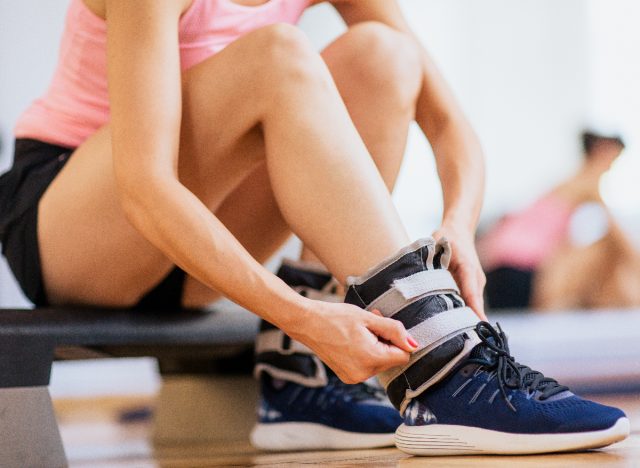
(474, 300)
(471, 292)
(390, 357)
(392, 331)
(477, 305)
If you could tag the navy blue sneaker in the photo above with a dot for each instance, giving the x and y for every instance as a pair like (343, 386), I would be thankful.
(490, 404)
(303, 404)
(335, 416)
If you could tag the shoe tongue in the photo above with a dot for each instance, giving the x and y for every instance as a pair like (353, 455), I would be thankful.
(481, 351)
(484, 353)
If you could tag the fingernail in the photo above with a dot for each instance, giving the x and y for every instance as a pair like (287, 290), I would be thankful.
(412, 342)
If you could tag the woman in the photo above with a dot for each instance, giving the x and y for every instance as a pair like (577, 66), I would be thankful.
(550, 255)
(214, 107)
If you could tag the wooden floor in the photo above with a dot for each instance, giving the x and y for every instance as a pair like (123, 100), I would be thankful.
(94, 438)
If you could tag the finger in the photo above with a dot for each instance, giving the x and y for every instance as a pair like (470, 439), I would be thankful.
(477, 304)
(391, 357)
(476, 296)
(393, 331)
(377, 312)
(470, 291)
(480, 296)
(474, 301)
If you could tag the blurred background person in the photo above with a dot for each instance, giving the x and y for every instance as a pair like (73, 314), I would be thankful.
(565, 250)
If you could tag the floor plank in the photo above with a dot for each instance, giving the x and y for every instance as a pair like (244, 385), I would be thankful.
(94, 437)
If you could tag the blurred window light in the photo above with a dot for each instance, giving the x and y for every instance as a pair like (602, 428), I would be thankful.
(615, 98)
(588, 224)
(620, 186)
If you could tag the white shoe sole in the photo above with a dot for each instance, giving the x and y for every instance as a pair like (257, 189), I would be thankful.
(310, 436)
(444, 439)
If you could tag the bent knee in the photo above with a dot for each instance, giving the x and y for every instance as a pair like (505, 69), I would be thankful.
(284, 38)
(288, 56)
(382, 57)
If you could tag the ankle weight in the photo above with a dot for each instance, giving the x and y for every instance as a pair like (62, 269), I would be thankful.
(276, 353)
(284, 358)
(415, 287)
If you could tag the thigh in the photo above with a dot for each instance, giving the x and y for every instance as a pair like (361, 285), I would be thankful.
(90, 253)
(251, 213)
(88, 249)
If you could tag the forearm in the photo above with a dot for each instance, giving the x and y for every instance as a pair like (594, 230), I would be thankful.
(455, 145)
(461, 170)
(456, 148)
(177, 223)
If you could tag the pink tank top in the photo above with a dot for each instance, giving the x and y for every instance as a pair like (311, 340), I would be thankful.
(524, 240)
(76, 103)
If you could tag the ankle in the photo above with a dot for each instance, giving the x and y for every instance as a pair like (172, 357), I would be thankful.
(414, 287)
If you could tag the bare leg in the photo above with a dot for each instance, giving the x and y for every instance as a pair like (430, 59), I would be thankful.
(377, 73)
(237, 105)
(253, 217)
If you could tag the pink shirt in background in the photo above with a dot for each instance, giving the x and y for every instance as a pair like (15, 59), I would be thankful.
(523, 240)
(76, 103)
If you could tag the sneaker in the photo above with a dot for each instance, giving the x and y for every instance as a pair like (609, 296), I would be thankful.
(334, 416)
(303, 404)
(461, 391)
(492, 404)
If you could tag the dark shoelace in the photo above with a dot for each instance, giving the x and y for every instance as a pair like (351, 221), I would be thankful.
(510, 374)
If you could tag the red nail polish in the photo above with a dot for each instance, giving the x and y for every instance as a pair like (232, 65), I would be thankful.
(412, 342)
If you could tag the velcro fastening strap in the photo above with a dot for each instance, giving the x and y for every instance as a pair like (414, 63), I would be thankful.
(283, 358)
(407, 290)
(442, 325)
(431, 333)
(426, 281)
(277, 341)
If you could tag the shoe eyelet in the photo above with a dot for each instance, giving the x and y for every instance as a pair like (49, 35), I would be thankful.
(466, 372)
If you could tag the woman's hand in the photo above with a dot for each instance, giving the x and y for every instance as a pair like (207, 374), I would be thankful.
(354, 343)
(465, 266)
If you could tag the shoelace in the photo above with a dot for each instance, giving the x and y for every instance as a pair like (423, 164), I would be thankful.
(511, 374)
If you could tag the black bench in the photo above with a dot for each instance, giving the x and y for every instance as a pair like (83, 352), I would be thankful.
(29, 435)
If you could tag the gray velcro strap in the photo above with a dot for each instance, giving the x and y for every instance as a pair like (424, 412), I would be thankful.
(432, 333)
(274, 340)
(407, 290)
(426, 281)
(440, 326)
(319, 379)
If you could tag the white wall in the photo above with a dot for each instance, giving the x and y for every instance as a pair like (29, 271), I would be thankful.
(615, 100)
(519, 68)
(29, 33)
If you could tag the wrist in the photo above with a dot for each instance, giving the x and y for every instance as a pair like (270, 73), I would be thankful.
(458, 228)
(287, 310)
(297, 316)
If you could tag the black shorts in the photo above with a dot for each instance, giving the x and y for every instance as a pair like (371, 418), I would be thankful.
(35, 166)
(509, 288)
